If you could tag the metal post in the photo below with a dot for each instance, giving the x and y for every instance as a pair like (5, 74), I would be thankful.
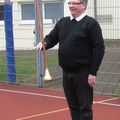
(39, 53)
(11, 70)
(95, 9)
(7, 1)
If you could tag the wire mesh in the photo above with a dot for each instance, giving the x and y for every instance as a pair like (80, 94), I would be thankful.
(108, 78)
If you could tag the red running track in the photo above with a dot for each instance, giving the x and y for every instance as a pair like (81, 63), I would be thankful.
(32, 103)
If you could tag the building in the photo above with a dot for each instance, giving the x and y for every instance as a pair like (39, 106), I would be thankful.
(105, 12)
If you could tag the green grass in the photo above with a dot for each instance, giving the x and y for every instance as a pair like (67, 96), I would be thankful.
(52, 61)
(117, 91)
(2, 69)
(25, 68)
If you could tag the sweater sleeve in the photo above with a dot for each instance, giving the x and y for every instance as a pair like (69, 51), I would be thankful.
(53, 37)
(98, 47)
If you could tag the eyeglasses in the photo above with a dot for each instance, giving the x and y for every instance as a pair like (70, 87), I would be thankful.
(74, 3)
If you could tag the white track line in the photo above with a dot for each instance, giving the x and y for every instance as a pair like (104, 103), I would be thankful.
(64, 109)
(41, 114)
(111, 104)
(29, 93)
(103, 102)
(58, 97)
(106, 100)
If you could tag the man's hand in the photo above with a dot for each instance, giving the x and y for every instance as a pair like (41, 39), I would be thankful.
(91, 80)
(39, 46)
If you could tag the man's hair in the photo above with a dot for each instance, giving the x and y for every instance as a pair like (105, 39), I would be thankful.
(83, 1)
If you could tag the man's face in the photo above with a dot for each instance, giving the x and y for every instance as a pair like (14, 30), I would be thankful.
(76, 7)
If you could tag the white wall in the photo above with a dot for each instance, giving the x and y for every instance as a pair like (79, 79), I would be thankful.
(23, 30)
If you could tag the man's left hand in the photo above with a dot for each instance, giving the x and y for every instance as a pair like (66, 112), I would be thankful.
(91, 80)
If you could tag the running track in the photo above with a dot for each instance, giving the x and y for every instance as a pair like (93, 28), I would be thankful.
(32, 103)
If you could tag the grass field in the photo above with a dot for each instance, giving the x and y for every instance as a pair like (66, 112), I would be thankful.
(2, 69)
(25, 67)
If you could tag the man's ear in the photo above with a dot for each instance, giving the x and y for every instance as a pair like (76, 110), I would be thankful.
(84, 5)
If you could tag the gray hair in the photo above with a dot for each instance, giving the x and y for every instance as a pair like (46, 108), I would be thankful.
(83, 1)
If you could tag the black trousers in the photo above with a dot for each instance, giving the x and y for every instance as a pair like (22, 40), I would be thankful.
(79, 94)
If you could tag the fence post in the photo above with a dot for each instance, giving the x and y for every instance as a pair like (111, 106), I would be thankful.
(95, 9)
(39, 53)
(11, 71)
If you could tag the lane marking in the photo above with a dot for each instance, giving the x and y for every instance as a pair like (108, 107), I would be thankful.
(103, 102)
(57, 97)
(106, 100)
(46, 113)
(61, 110)
(34, 94)
(52, 96)
(111, 104)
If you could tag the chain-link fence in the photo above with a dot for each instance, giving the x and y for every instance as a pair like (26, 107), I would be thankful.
(106, 12)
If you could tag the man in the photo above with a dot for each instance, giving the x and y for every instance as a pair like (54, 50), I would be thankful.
(81, 50)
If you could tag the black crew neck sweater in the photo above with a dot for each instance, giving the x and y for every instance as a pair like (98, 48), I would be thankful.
(81, 43)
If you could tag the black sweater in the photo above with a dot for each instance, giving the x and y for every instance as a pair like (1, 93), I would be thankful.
(80, 43)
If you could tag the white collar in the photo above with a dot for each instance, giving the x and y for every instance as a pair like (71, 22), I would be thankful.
(80, 17)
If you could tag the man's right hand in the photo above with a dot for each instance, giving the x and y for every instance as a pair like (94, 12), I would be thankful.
(39, 46)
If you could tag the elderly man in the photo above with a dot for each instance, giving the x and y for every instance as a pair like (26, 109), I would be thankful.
(81, 50)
